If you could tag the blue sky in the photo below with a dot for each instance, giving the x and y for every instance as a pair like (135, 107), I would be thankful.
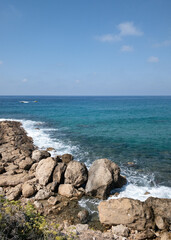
(92, 47)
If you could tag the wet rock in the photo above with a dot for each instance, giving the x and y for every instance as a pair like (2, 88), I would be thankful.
(37, 155)
(129, 212)
(26, 163)
(103, 175)
(44, 170)
(14, 192)
(66, 158)
(83, 216)
(42, 194)
(67, 190)
(76, 174)
(120, 230)
(28, 190)
(146, 193)
(58, 173)
(50, 149)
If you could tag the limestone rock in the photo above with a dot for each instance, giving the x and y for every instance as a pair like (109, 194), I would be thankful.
(28, 190)
(14, 192)
(58, 173)
(37, 155)
(161, 223)
(66, 158)
(44, 170)
(102, 177)
(76, 174)
(26, 163)
(132, 213)
(67, 190)
(120, 230)
(13, 180)
(42, 194)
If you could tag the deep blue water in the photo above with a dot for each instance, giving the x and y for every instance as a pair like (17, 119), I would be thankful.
(123, 129)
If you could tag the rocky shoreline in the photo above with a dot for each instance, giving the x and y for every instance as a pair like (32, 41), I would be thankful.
(55, 184)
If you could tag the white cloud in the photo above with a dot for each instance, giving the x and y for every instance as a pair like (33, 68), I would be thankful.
(128, 28)
(125, 29)
(1, 62)
(165, 43)
(153, 59)
(109, 38)
(25, 80)
(127, 48)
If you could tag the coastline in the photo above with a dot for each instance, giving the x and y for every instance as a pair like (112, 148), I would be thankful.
(13, 166)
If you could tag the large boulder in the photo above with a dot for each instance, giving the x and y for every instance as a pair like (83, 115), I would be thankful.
(13, 180)
(44, 170)
(37, 155)
(76, 174)
(14, 192)
(26, 163)
(58, 173)
(103, 175)
(132, 213)
(28, 190)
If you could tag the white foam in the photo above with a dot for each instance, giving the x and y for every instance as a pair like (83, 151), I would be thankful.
(42, 137)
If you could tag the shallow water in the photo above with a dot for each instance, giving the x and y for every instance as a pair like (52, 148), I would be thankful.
(123, 129)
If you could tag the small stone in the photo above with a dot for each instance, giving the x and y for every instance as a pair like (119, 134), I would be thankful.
(53, 200)
(66, 158)
(120, 230)
(83, 216)
(38, 204)
(28, 190)
(42, 194)
(146, 193)
(14, 193)
(50, 149)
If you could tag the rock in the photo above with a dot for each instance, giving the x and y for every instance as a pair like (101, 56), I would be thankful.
(129, 212)
(146, 193)
(52, 187)
(44, 170)
(14, 193)
(38, 205)
(26, 164)
(76, 174)
(37, 155)
(11, 167)
(103, 175)
(81, 227)
(66, 158)
(165, 236)
(34, 166)
(147, 234)
(161, 223)
(42, 194)
(13, 180)
(120, 230)
(58, 173)
(50, 149)
(83, 216)
(28, 190)
(67, 190)
(160, 207)
(53, 200)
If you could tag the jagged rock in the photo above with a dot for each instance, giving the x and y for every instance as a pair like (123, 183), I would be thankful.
(161, 223)
(34, 166)
(14, 192)
(53, 200)
(160, 208)
(67, 190)
(58, 173)
(120, 230)
(44, 170)
(11, 167)
(13, 180)
(83, 216)
(66, 158)
(37, 155)
(26, 163)
(42, 194)
(132, 213)
(76, 174)
(28, 190)
(103, 175)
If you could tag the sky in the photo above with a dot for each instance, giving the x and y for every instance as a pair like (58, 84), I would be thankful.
(91, 47)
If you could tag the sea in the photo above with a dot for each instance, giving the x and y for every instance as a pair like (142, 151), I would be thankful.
(134, 132)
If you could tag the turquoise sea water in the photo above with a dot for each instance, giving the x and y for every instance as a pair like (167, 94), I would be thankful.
(123, 129)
